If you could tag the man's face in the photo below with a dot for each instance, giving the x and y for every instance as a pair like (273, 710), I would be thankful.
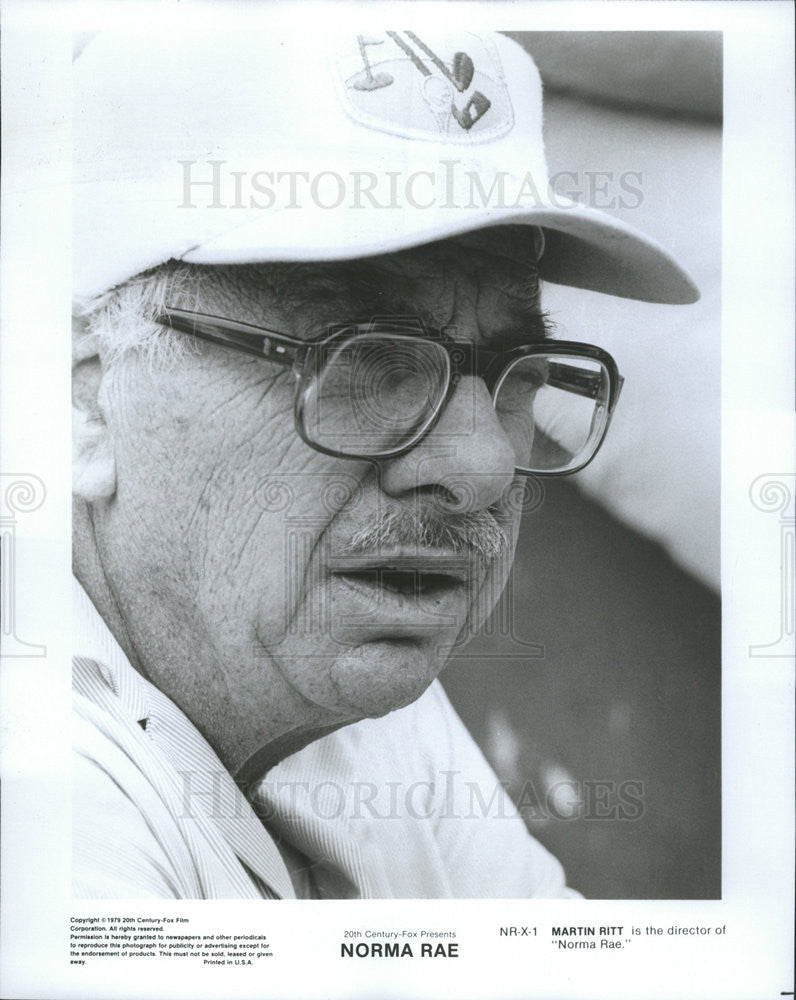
(255, 591)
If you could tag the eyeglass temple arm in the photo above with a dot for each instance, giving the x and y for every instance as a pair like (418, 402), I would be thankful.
(228, 333)
(581, 383)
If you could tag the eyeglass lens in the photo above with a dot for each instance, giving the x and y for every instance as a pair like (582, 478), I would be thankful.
(554, 409)
(375, 394)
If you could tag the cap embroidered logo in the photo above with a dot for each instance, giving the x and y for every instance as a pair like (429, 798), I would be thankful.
(450, 89)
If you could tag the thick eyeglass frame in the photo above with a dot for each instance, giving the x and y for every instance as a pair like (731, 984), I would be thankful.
(464, 358)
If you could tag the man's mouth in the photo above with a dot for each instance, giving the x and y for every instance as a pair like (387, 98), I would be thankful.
(407, 582)
(407, 576)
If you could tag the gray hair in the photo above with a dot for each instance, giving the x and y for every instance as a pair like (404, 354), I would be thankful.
(122, 319)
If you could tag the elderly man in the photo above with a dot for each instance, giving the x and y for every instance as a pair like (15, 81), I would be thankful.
(311, 373)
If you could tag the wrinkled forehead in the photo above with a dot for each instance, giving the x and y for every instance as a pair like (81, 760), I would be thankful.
(432, 282)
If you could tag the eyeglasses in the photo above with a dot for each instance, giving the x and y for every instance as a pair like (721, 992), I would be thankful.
(375, 390)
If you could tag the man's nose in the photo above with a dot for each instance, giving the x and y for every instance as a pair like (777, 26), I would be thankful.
(466, 461)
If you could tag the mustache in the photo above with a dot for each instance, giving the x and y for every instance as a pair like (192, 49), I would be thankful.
(476, 533)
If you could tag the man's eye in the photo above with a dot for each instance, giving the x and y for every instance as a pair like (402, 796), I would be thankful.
(528, 375)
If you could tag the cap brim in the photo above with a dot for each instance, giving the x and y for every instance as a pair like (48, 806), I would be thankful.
(584, 248)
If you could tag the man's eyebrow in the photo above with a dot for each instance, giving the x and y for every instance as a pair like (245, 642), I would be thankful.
(364, 292)
(532, 328)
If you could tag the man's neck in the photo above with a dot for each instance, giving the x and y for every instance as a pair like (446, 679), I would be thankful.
(87, 567)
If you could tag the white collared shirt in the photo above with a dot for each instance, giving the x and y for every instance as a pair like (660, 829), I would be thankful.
(399, 807)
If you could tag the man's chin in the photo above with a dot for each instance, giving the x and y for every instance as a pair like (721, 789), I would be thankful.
(377, 677)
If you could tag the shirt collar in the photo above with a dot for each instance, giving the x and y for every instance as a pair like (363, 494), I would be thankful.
(181, 743)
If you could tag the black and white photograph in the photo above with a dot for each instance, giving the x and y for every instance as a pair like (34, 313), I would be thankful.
(322, 416)
(419, 555)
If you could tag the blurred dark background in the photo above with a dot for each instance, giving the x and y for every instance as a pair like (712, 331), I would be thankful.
(609, 740)
(606, 726)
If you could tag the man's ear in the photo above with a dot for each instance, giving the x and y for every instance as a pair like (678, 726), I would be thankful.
(93, 459)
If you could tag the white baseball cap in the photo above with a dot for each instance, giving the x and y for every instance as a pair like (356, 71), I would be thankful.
(243, 146)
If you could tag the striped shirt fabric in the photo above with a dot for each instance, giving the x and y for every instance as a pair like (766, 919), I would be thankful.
(399, 807)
